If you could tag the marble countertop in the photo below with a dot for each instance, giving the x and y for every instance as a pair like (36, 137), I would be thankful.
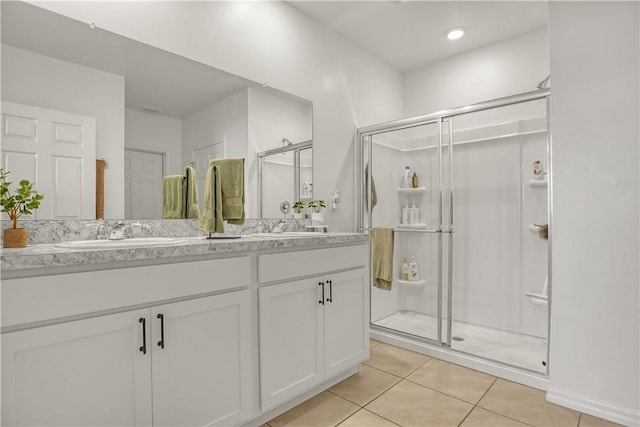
(36, 259)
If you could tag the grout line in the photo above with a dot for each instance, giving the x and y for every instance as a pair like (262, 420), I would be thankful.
(445, 394)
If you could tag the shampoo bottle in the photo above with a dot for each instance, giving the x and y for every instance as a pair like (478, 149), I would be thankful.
(405, 269)
(414, 214)
(414, 181)
(414, 274)
(405, 181)
(406, 214)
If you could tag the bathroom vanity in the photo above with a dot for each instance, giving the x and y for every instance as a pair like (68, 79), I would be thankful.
(205, 332)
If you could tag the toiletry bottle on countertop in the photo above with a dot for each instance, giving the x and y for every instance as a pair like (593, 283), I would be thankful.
(406, 214)
(405, 181)
(405, 269)
(414, 274)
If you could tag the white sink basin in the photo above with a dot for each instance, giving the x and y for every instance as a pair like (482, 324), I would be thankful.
(142, 242)
(290, 234)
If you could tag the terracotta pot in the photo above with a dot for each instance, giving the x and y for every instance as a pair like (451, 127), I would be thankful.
(14, 237)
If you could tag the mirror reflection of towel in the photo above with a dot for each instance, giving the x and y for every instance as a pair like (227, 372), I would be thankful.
(172, 196)
(191, 208)
(382, 257)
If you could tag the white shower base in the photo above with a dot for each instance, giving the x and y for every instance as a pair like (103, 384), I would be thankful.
(518, 350)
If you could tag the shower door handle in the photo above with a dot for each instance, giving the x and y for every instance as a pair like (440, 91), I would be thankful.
(322, 299)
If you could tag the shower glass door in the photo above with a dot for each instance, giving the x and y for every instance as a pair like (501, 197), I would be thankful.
(480, 239)
(413, 210)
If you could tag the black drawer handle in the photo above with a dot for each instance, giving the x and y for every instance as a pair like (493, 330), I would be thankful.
(143, 348)
(322, 300)
(330, 299)
(161, 342)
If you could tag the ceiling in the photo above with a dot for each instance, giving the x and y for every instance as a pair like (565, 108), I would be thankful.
(409, 34)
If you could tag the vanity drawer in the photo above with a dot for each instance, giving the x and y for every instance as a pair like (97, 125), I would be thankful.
(35, 299)
(289, 265)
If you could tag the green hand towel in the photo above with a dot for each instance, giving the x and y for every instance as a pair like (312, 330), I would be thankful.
(211, 219)
(382, 257)
(192, 210)
(172, 196)
(232, 186)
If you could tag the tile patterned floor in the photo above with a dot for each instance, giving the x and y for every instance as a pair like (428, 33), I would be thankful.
(397, 387)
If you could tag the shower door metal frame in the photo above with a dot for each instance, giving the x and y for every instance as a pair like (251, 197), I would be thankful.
(364, 142)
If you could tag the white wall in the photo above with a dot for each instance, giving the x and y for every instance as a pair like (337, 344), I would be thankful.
(595, 325)
(348, 87)
(502, 69)
(160, 134)
(34, 79)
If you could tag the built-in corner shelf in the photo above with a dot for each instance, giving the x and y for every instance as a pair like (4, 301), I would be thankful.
(538, 183)
(410, 283)
(412, 190)
(305, 198)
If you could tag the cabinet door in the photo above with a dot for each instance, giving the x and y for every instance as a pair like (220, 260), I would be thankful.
(346, 320)
(87, 372)
(291, 340)
(203, 374)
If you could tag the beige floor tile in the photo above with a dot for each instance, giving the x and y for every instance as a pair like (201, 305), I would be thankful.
(364, 386)
(409, 404)
(373, 342)
(591, 421)
(394, 360)
(454, 380)
(325, 409)
(364, 418)
(527, 405)
(482, 418)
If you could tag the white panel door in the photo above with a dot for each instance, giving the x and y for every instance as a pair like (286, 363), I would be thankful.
(55, 150)
(346, 320)
(291, 340)
(201, 158)
(202, 361)
(143, 173)
(87, 372)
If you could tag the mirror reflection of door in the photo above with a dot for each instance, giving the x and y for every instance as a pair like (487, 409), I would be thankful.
(143, 174)
(201, 158)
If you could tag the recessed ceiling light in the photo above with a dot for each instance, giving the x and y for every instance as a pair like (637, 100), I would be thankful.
(455, 33)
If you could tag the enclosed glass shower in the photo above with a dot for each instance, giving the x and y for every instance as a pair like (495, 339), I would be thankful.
(476, 223)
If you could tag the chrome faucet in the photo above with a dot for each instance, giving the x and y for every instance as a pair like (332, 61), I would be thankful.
(120, 231)
(278, 228)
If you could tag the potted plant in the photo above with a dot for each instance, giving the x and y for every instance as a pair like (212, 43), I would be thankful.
(15, 205)
(298, 207)
(317, 205)
(317, 218)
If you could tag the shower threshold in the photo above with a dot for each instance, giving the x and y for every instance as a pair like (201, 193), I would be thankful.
(511, 348)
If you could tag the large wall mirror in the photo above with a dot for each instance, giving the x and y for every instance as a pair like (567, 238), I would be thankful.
(151, 113)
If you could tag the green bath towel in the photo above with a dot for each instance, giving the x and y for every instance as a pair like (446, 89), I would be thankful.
(382, 257)
(191, 208)
(232, 187)
(172, 196)
(211, 218)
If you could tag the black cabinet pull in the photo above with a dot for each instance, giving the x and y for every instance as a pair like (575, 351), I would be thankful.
(322, 300)
(143, 348)
(161, 342)
(330, 299)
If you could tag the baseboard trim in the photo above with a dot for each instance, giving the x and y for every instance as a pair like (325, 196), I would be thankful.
(594, 407)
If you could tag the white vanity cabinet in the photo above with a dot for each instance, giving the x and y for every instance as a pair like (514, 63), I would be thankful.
(86, 372)
(314, 327)
(182, 363)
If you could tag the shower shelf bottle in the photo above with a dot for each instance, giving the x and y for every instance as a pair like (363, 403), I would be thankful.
(405, 269)
(414, 273)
